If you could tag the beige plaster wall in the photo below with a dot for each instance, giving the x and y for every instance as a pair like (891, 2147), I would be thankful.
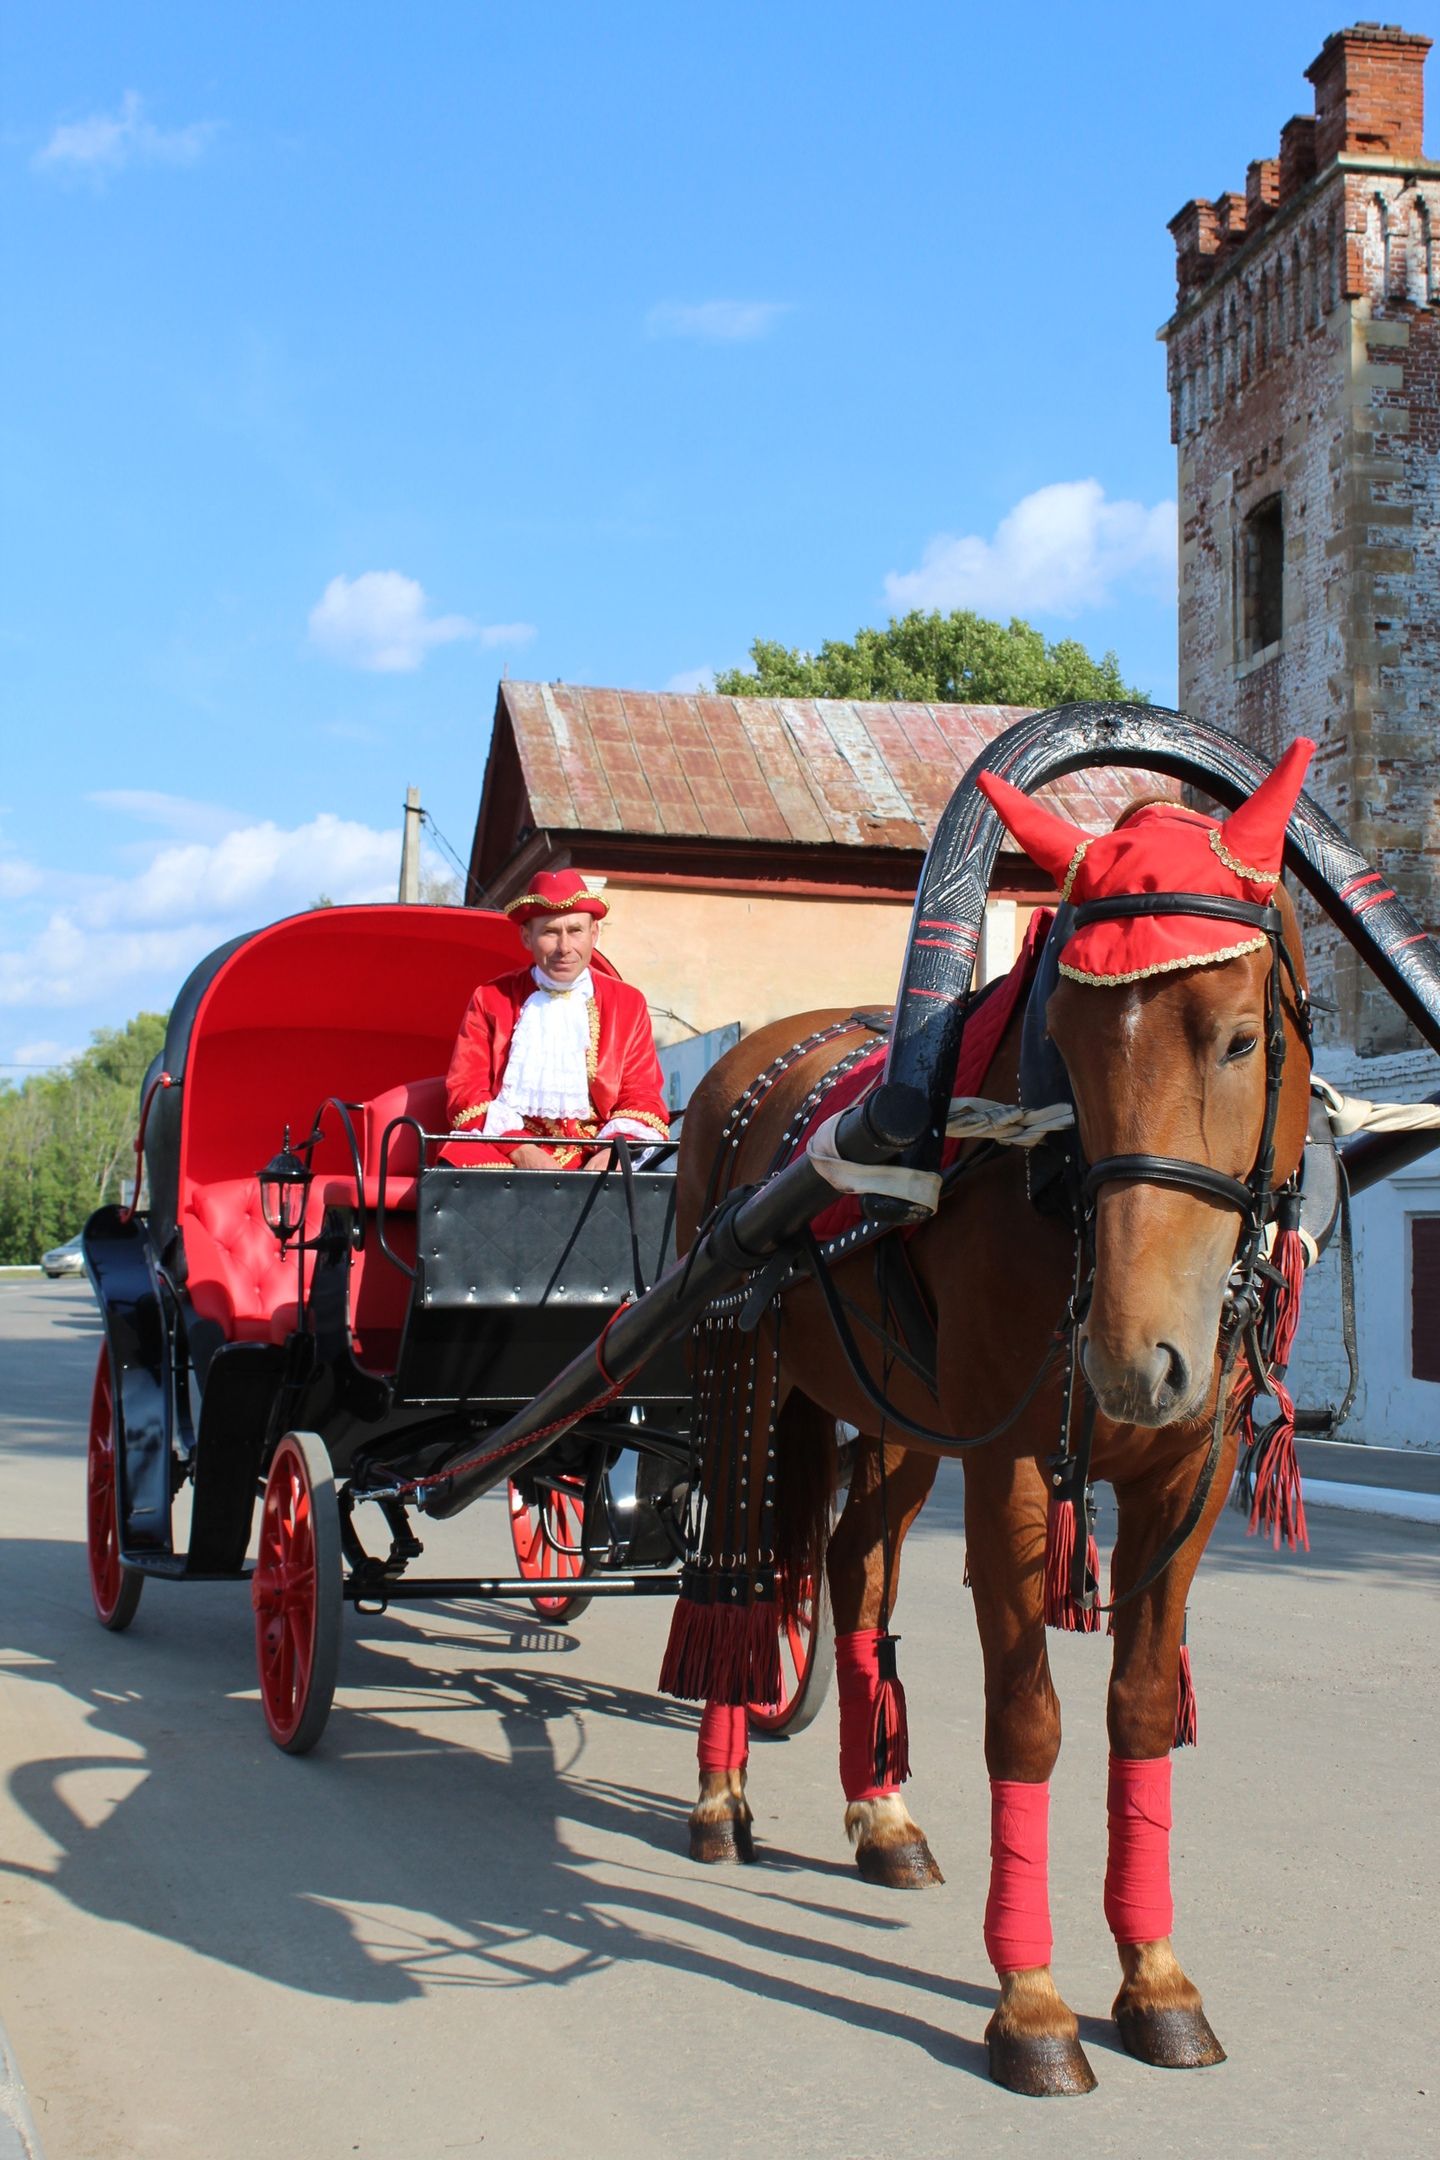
(704, 959)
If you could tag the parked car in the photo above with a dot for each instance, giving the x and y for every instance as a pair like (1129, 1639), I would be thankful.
(66, 1259)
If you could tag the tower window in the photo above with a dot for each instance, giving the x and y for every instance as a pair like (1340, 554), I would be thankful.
(1263, 569)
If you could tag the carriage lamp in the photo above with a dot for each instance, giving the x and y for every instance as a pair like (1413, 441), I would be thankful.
(284, 1188)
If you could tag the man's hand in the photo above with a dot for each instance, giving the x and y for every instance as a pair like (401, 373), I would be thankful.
(598, 1160)
(531, 1158)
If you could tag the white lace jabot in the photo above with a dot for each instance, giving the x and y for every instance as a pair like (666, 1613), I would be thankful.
(547, 1073)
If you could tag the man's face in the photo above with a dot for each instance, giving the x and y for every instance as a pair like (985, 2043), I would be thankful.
(561, 944)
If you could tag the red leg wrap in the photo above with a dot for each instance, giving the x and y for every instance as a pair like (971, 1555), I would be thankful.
(1138, 1903)
(874, 1732)
(724, 1742)
(1017, 1912)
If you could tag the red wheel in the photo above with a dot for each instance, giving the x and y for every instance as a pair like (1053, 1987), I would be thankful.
(807, 1652)
(114, 1587)
(297, 1592)
(548, 1534)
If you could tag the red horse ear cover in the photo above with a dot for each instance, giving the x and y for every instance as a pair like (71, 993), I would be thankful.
(1255, 833)
(1049, 841)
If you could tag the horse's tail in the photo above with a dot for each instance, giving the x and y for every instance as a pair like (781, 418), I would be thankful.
(806, 1454)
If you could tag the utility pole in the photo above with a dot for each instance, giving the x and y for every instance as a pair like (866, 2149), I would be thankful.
(410, 849)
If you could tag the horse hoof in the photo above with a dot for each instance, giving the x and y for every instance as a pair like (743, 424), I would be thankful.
(1169, 2039)
(725, 1842)
(1038, 2066)
(910, 1866)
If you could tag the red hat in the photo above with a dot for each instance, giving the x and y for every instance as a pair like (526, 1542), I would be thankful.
(1162, 848)
(556, 892)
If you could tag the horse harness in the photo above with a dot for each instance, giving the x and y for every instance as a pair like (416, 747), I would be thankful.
(1259, 1202)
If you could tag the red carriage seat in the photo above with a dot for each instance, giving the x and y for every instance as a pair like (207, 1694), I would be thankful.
(333, 1003)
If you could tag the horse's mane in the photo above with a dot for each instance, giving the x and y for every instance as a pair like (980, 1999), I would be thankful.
(1151, 802)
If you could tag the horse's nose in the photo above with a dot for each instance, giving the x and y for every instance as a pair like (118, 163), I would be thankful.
(1145, 1387)
(1174, 1386)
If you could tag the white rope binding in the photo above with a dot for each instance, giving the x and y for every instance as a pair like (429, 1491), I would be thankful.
(971, 1117)
(1352, 1113)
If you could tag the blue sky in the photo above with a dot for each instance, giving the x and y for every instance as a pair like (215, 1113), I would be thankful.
(355, 353)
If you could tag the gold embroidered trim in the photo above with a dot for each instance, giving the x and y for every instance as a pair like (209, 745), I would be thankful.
(1233, 862)
(1165, 967)
(592, 1055)
(586, 903)
(1075, 861)
(643, 1117)
(467, 1117)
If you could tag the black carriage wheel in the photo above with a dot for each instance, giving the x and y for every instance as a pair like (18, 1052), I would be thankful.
(548, 1534)
(298, 1593)
(114, 1588)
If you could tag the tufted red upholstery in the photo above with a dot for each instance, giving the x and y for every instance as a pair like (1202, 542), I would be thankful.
(234, 1269)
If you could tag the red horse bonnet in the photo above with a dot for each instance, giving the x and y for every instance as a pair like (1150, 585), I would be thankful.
(1163, 848)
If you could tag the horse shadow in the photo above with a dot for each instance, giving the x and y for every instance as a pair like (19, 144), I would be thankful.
(443, 1835)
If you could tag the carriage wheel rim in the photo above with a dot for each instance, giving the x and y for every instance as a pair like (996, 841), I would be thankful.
(102, 1522)
(548, 1538)
(798, 1641)
(285, 1592)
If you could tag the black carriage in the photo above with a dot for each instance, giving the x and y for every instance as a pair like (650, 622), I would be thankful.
(312, 1312)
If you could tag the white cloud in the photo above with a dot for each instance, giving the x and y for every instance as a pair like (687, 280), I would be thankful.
(121, 942)
(43, 1056)
(1060, 550)
(17, 878)
(172, 813)
(106, 143)
(381, 621)
(716, 322)
(692, 682)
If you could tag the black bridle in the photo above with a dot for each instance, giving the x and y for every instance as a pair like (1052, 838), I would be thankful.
(1256, 1198)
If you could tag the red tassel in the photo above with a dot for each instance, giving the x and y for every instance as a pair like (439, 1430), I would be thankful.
(1187, 1722)
(1062, 1610)
(1288, 1260)
(890, 1727)
(723, 1653)
(1270, 1466)
(1278, 1507)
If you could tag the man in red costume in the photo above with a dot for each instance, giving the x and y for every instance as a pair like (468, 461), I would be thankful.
(556, 1051)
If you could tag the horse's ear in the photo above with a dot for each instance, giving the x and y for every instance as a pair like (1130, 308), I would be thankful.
(1048, 840)
(1255, 833)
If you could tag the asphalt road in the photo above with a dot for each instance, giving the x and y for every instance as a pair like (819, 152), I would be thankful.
(467, 1924)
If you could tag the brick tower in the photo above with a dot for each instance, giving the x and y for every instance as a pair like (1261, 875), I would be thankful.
(1304, 372)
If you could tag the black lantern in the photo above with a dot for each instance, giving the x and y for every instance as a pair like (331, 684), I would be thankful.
(284, 1188)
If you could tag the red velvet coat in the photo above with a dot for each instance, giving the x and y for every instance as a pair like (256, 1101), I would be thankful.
(625, 1076)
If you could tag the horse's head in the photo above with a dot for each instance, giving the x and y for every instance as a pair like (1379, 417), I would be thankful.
(1174, 1028)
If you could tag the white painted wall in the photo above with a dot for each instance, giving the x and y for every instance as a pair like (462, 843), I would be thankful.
(1392, 1409)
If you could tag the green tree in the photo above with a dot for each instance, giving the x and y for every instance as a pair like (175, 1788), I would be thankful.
(955, 659)
(66, 1138)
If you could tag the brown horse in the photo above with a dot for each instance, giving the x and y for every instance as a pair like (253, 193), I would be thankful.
(1170, 1064)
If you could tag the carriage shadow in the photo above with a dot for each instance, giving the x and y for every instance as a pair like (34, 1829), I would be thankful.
(475, 1853)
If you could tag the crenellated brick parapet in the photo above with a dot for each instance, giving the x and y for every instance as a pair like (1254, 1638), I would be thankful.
(1304, 372)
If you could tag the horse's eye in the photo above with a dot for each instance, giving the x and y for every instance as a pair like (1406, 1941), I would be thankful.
(1240, 1047)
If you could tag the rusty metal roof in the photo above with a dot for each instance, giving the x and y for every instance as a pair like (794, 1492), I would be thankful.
(805, 771)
